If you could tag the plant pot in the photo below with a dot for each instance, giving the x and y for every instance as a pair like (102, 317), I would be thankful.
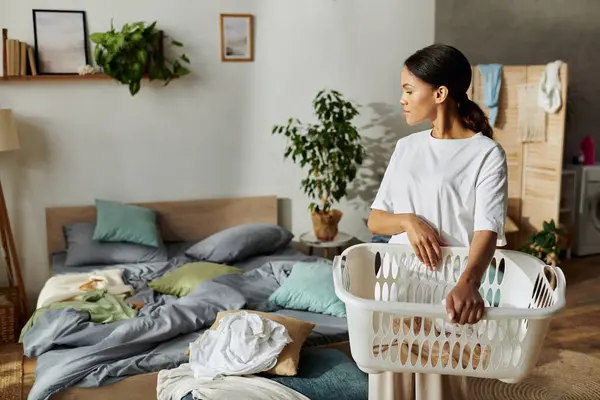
(325, 224)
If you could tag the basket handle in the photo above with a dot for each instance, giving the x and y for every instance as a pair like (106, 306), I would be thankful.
(558, 283)
(338, 267)
(439, 310)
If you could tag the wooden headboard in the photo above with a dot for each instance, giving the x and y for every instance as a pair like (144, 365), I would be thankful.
(188, 220)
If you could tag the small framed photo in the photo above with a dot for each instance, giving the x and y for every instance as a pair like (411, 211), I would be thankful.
(60, 41)
(237, 40)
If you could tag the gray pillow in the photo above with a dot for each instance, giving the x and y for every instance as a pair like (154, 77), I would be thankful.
(240, 243)
(83, 250)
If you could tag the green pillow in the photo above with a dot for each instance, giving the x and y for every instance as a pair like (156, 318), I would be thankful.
(118, 222)
(310, 288)
(183, 280)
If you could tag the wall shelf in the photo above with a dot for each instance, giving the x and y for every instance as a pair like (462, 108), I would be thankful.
(53, 77)
(6, 79)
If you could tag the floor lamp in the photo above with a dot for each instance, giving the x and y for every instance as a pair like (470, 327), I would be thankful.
(9, 140)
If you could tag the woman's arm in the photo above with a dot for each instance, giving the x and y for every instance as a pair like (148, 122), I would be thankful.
(425, 240)
(464, 303)
(384, 223)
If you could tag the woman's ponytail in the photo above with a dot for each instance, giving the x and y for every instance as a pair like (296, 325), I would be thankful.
(474, 118)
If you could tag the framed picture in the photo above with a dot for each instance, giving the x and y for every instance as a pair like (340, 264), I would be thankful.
(60, 41)
(237, 42)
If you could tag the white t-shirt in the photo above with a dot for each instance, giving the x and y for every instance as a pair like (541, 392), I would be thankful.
(459, 186)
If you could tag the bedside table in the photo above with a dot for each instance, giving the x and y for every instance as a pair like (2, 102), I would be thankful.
(338, 243)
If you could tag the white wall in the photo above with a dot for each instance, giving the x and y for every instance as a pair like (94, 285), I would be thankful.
(207, 135)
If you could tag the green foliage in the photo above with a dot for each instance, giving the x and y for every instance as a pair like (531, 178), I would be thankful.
(332, 149)
(546, 244)
(135, 51)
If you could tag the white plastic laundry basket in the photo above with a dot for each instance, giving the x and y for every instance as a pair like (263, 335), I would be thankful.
(398, 323)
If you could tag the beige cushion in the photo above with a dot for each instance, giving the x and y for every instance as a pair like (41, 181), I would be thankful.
(287, 362)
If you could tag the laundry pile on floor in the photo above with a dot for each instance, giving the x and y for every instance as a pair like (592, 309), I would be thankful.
(223, 362)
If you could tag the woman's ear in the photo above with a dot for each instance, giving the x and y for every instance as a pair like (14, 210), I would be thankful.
(441, 94)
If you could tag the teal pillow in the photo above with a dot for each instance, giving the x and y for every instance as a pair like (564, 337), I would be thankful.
(310, 288)
(118, 222)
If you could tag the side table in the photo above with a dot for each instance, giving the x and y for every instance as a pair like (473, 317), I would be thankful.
(338, 243)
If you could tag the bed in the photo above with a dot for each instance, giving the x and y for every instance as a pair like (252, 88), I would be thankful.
(70, 349)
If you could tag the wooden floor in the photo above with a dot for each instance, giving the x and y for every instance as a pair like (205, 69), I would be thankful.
(576, 329)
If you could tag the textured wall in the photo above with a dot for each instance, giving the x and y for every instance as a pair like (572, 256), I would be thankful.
(534, 32)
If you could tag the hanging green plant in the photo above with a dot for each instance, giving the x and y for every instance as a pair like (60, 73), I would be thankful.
(134, 52)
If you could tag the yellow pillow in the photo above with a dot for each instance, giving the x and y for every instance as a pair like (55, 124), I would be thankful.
(183, 280)
(287, 362)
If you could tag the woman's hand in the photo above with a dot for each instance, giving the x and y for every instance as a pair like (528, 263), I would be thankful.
(425, 241)
(464, 303)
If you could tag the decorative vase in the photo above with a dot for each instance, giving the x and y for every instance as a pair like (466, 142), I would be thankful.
(325, 224)
(587, 150)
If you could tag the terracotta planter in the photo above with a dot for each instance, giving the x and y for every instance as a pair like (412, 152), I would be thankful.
(325, 225)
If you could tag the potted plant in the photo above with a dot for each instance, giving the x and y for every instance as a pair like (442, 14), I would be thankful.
(547, 244)
(134, 52)
(332, 152)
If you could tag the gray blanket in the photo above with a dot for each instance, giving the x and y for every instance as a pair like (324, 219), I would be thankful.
(72, 351)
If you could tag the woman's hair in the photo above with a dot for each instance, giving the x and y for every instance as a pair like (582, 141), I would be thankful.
(443, 65)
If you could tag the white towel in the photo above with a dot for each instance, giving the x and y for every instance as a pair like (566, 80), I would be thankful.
(243, 344)
(67, 286)
(549, 89)
(531, 118)
(174, 384)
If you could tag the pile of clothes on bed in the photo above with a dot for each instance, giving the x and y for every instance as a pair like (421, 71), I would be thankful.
(225, 359)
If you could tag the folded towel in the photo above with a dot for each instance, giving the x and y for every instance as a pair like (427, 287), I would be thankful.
(549, 89)
(243, 343)
(176, 383)
(492, 79)
(531, 119)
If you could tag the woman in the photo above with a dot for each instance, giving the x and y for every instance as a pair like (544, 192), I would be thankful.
(446, 185)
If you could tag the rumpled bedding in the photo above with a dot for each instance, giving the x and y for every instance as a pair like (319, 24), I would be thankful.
(71, 350)
(102, 307)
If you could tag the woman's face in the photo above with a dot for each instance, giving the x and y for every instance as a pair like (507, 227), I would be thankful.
(419, 99)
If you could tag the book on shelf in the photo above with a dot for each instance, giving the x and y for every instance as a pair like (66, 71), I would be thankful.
(20, 58)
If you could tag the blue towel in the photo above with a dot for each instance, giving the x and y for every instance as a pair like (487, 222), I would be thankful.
(492, 78)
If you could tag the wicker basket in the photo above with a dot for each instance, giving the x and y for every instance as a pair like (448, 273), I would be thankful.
(8, 314)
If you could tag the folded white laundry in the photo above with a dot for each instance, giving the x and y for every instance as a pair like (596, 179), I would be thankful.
(549, 89)
(174, 384)
(243, 344)
(67, 286)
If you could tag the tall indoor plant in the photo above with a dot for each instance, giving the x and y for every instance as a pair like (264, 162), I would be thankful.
(134, 52)
(332, 152)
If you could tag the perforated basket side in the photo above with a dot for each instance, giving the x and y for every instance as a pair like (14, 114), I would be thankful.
(396, 322)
